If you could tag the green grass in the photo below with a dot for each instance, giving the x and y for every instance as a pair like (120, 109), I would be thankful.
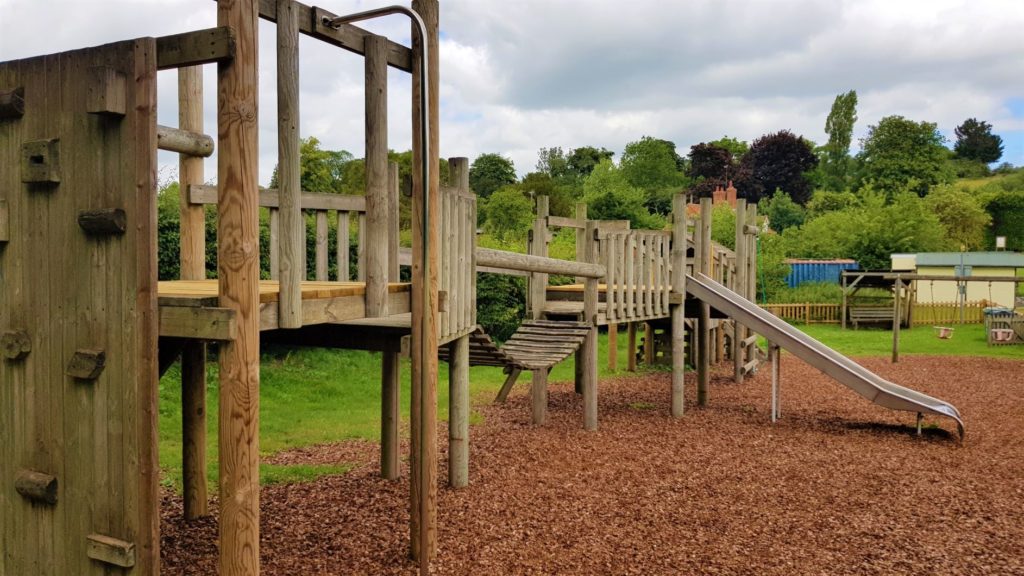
(313, 396)
(967, 340)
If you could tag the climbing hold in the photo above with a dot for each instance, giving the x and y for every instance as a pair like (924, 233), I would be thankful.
(12, 103)
(40, 161)
(15, 344)
(86, 364)
(36, 486)
(103, 221)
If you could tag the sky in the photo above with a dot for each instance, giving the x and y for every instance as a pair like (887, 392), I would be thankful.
(519, 75)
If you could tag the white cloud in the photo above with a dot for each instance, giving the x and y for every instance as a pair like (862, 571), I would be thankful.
(524, 74)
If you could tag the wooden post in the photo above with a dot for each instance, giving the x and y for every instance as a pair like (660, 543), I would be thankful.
(458, 413)
(896, 313)
(739, 331)
(238, 279)
(751, 277)
(539, 247)
(423, 494)
(389, 414)
(394, 218)
(649, 352)
(590, 343)
(539, 397)
(631, 345)
(292, 259)
(678, 311)
(581, 221)
(775, 353)
(193, 267)
(376, 249)
(613, 347)
(703, 356)
(842, 310)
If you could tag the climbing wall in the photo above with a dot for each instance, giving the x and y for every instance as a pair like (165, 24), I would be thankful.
(78, 463)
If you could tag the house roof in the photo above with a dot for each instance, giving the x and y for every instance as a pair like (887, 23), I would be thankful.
(981, 259)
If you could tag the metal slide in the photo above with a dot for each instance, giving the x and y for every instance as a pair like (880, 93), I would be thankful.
(842, 369)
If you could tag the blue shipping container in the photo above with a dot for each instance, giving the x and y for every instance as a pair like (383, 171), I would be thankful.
(817, 270)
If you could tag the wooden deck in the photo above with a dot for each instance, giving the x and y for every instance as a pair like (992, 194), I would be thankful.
(190, 308)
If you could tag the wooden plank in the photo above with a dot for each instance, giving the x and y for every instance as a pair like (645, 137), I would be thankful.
(193, 427)
(199, 323)
(111, 550)
(530, 263)
(377, 203)
(611, 256)
(183, 141)
(703, 355)
(581, 218)
(343, 241)
(238, 275)
(292, 250)
(394, 221)
(269, 198)
(739, 331)
(275, 244)
(321, 247)
(192, 246)
(195, 48)
(539, 248)
(361, 248)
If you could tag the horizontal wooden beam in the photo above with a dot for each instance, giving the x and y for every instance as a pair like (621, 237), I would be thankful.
(346, 36)
(192, 48)
(603, 225)
(540, 264)
(269, 198)
(748, 341)
(183, 141)
(198, 322)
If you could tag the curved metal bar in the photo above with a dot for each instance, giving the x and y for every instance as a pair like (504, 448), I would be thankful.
(425, 231)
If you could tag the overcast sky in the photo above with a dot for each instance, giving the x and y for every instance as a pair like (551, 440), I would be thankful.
(518, 75)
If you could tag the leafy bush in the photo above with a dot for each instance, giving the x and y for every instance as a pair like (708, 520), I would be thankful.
(500, 304)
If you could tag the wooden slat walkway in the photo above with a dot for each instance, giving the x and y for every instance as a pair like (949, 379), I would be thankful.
(536, 345)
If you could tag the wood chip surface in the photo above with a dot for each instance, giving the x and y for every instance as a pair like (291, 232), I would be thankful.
(838, 486)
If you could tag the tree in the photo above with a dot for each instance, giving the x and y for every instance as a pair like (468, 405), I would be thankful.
(899, 153)
(509, 214)
(490, 172)
(735, 147)
(975, 141)
(582, 160)
(321, 170)
(553, 162)
(652, 165)
(961, 214)
(782, 212)
(713, 166)
(836, 153)
(609, 196)
(778, 161)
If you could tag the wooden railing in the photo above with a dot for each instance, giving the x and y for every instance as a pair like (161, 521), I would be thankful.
(457, 275)
(341, 209)
(638, 277)
(806, 313)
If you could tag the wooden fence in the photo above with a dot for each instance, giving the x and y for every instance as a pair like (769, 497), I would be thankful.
(925, 314)
(806, 313)
(942, 313)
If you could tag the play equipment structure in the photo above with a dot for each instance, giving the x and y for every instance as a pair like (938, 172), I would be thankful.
(86, 329)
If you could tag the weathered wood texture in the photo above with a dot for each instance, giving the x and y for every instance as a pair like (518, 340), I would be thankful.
(458, 231)
(425, 264)
(458, 412)
(195, 48)
(678, 312)
(702, 236)
(538, 283)
(389, 416)
(12, 103)
(238, 273)
(183, 141)
(377, 228)
(739, 331)
(515, 261)
(292, 233)
(68, 292)
(589, 348)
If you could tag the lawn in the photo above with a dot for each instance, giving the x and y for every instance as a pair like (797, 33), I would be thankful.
(314, 396)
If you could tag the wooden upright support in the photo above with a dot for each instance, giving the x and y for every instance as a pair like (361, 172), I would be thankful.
(423, 517)
(390, 361)
(703, 356)
(458, 392)
(678, 311)
(896, 318)
(193, 267)
(589, 356)
(394, 221)
(238, 282)
(539, 247)
(739, 331)
(377, 204)
(751, 276)
(291, 260)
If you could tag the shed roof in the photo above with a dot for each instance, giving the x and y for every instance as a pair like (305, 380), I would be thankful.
(980, 259)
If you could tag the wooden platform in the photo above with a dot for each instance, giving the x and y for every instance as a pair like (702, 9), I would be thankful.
(190, 308)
